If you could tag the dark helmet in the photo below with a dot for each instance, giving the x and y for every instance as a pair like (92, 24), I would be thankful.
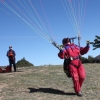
(10, 46)
(65, 40)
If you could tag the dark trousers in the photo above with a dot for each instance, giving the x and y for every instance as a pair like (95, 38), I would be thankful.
(12, 62)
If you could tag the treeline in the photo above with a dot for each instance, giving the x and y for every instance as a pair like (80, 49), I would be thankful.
(23, 63)
(90, 59)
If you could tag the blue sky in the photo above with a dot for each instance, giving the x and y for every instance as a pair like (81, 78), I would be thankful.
(19, 29)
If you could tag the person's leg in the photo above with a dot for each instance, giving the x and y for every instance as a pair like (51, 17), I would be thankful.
(10, 65)
(75, 78)
(82, 74)
(14, 65)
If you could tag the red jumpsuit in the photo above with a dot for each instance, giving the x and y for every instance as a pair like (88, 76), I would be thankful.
(77, 70)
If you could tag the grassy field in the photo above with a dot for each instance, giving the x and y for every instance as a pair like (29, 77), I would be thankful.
(48, 83)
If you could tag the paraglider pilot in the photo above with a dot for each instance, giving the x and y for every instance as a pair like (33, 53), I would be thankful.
(11, 56)
(71, 53)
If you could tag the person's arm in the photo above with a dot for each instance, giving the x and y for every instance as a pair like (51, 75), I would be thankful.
(61, 54)
(84, 50)
(14, 53)
(7, 53)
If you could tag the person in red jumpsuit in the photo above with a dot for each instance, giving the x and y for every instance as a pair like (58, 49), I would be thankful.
(77, 71)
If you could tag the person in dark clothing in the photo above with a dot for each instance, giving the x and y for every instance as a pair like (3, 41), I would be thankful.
(11, 56)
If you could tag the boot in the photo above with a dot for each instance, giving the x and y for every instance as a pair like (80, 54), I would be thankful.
(79, 94)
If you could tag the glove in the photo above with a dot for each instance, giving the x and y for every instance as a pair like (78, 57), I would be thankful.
(88, 43)
(61, 47)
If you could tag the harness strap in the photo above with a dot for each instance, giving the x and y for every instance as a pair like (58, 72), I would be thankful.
(74, 58)
(75, 65)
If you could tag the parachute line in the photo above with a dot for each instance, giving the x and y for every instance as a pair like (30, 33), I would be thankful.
(75, 10)
(36, 24)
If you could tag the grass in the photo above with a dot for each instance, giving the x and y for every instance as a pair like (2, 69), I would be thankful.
(48, 83)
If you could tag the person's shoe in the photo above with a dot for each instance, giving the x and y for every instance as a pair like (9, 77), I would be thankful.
(79, 94)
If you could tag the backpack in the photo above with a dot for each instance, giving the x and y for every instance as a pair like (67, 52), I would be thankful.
(66, 67)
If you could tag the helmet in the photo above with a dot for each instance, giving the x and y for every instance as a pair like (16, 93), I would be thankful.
(65, 40)
(10, 46)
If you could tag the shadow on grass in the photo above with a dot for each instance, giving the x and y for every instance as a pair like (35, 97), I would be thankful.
(49, 90)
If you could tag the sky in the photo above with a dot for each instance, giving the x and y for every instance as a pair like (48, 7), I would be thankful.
(25, 24)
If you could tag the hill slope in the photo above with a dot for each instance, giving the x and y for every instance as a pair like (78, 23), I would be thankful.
(48, 83)
(97, 57)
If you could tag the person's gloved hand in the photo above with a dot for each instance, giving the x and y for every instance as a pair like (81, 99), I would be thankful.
(88, 43)
(61, 48)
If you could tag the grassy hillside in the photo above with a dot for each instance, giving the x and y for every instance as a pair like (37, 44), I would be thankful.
(48, 83)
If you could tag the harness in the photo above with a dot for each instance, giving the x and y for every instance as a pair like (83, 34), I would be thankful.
(74, 58)
(11, 55)
(73, 47)
(75, 65)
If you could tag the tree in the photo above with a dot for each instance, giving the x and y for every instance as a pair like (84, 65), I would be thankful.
(97, 59)
(96, 43)
(84, 60)
(91, 59)
(23, 63)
